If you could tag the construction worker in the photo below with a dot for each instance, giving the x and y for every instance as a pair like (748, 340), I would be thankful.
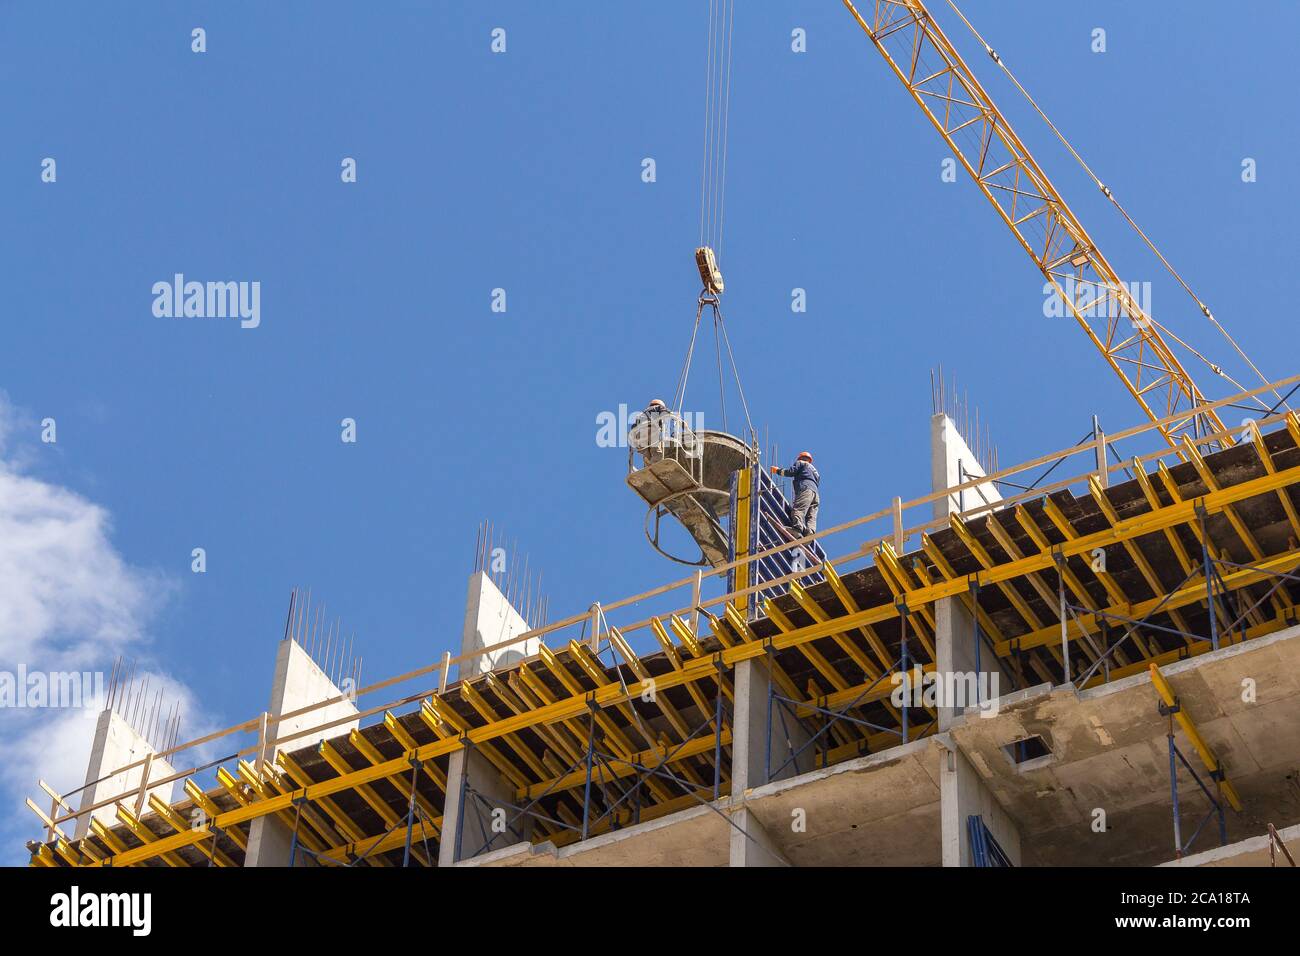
(803, 512)
(647, 426)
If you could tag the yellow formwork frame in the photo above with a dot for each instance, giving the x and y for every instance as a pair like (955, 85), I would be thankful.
(705, 667)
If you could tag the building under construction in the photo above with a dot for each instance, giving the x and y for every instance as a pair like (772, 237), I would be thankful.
(1089, 658)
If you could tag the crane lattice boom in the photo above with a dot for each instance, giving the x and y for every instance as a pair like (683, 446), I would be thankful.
(982, 140)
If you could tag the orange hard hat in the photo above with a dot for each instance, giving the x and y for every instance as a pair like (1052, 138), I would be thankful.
(658, 401)
(805, 456)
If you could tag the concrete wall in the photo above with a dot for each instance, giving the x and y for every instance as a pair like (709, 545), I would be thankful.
(117, 744)
(490, 619)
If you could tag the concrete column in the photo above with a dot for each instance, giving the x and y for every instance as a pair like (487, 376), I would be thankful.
(963, 793)
(298, 682)
(975, 683)
(117, 744)
(950, 459)
(750, 843)
(270, 842)
(471, 824)
(491, 619)
(749, 733)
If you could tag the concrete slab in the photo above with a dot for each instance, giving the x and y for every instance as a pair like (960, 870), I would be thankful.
(1251, 852)
(699, 836)
(877, 810)
(1109, 755)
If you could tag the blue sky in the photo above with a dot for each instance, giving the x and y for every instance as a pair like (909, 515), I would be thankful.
(522, 171)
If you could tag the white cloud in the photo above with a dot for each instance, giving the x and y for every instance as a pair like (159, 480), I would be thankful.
(70, 602)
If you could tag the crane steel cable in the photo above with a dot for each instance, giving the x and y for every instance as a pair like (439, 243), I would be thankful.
(726, 122)
(717, 114)
(1106, 191)
(713, 184)
(708, 114)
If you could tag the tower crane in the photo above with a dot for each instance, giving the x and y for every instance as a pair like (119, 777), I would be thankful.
(952, 98)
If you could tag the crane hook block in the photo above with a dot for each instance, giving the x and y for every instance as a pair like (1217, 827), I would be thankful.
(710, 275)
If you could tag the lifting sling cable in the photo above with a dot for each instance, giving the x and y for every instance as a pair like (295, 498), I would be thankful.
(679, 393)
(713, 182)
(1106, 191)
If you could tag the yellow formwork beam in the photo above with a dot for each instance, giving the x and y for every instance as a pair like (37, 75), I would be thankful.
(621, 768)
(344, 823)
(107, 837)
(146, 836)
(1188, 594)
(471, 696)
(270, 781)
(1140, 559)
(842, 732)
(373, 847)
(815, 657)
(846, 643)
(209, 806)
(1171, 488)
(178, 823)
(899, 583)
(675, 660)
(740, 536)
(595, 671)
(518, 700)
(850, 605)
(408, 743)
(43, 856)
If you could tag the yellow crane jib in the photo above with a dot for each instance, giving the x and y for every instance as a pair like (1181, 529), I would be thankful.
(983, 142)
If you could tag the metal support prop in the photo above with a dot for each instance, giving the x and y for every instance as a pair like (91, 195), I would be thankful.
(1216, 805)
(767, 757)
(1173, 789)
(467, 746)
(975, 616)
(1103, 472)
(1065, 630)
(696, 590)
(297, 821)
(410, 810)
(902, 649)
(717, 731)
(591, 753)
(1209, 578)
